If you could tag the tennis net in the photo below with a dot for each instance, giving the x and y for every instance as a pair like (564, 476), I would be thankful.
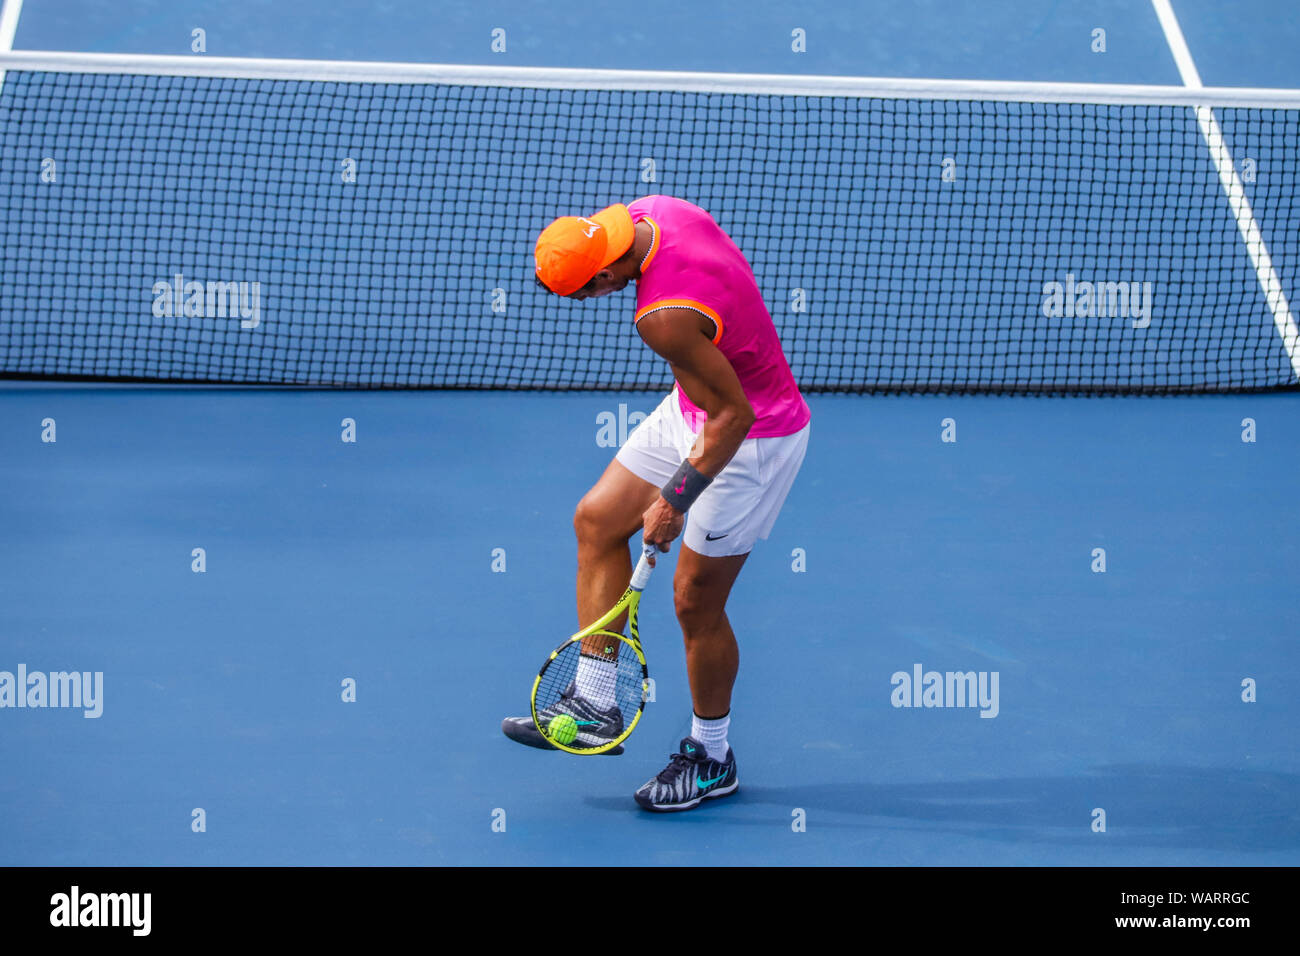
(370, 225)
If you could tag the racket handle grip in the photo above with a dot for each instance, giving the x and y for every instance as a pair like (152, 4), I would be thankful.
(641, 576)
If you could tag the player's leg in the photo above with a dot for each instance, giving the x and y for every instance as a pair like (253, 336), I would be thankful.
(700, 593)
(605, 518)
(608, 514)
(611, 511)
(737, 509)
(705, 766)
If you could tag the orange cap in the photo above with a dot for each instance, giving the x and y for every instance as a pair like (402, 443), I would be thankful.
(571, 250)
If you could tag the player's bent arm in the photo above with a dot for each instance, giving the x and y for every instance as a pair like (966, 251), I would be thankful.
(685, 338)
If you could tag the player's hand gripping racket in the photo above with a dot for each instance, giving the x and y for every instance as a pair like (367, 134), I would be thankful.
(614, 667)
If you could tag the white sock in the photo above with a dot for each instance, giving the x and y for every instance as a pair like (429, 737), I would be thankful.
(713, 734)
(596, 679)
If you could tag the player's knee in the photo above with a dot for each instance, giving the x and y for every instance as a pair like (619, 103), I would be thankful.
(583, 519)
(590, 522)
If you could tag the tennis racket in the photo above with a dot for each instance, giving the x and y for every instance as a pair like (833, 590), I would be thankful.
(619, 666)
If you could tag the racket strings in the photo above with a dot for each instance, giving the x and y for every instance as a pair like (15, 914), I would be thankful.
(590, 687)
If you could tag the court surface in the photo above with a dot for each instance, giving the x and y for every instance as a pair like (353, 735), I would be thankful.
(374, 561)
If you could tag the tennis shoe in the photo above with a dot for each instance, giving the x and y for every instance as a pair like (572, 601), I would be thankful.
(596, 726)
(690, 778)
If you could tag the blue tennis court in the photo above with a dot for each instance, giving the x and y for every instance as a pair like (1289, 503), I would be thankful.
(311, 608)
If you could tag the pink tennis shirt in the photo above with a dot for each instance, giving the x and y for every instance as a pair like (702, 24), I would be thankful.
(693, 264)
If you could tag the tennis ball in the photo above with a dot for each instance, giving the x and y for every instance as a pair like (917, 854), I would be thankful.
(563, 729)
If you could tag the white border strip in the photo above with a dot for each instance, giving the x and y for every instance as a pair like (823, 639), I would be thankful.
(8, 27)
(1283, 319)
(1177, 44)
(345, 71)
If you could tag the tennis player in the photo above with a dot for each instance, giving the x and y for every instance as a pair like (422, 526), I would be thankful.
(724, 447)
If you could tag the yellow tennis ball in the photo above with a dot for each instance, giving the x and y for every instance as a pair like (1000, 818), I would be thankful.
(563, 729)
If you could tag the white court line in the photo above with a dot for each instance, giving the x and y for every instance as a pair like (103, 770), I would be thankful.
(8, 27)
(1283, 319)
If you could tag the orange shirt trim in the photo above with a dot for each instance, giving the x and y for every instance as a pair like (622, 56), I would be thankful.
(684, 304)
(654, 243)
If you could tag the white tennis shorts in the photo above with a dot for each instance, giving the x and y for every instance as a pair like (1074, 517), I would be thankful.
(742, 502)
